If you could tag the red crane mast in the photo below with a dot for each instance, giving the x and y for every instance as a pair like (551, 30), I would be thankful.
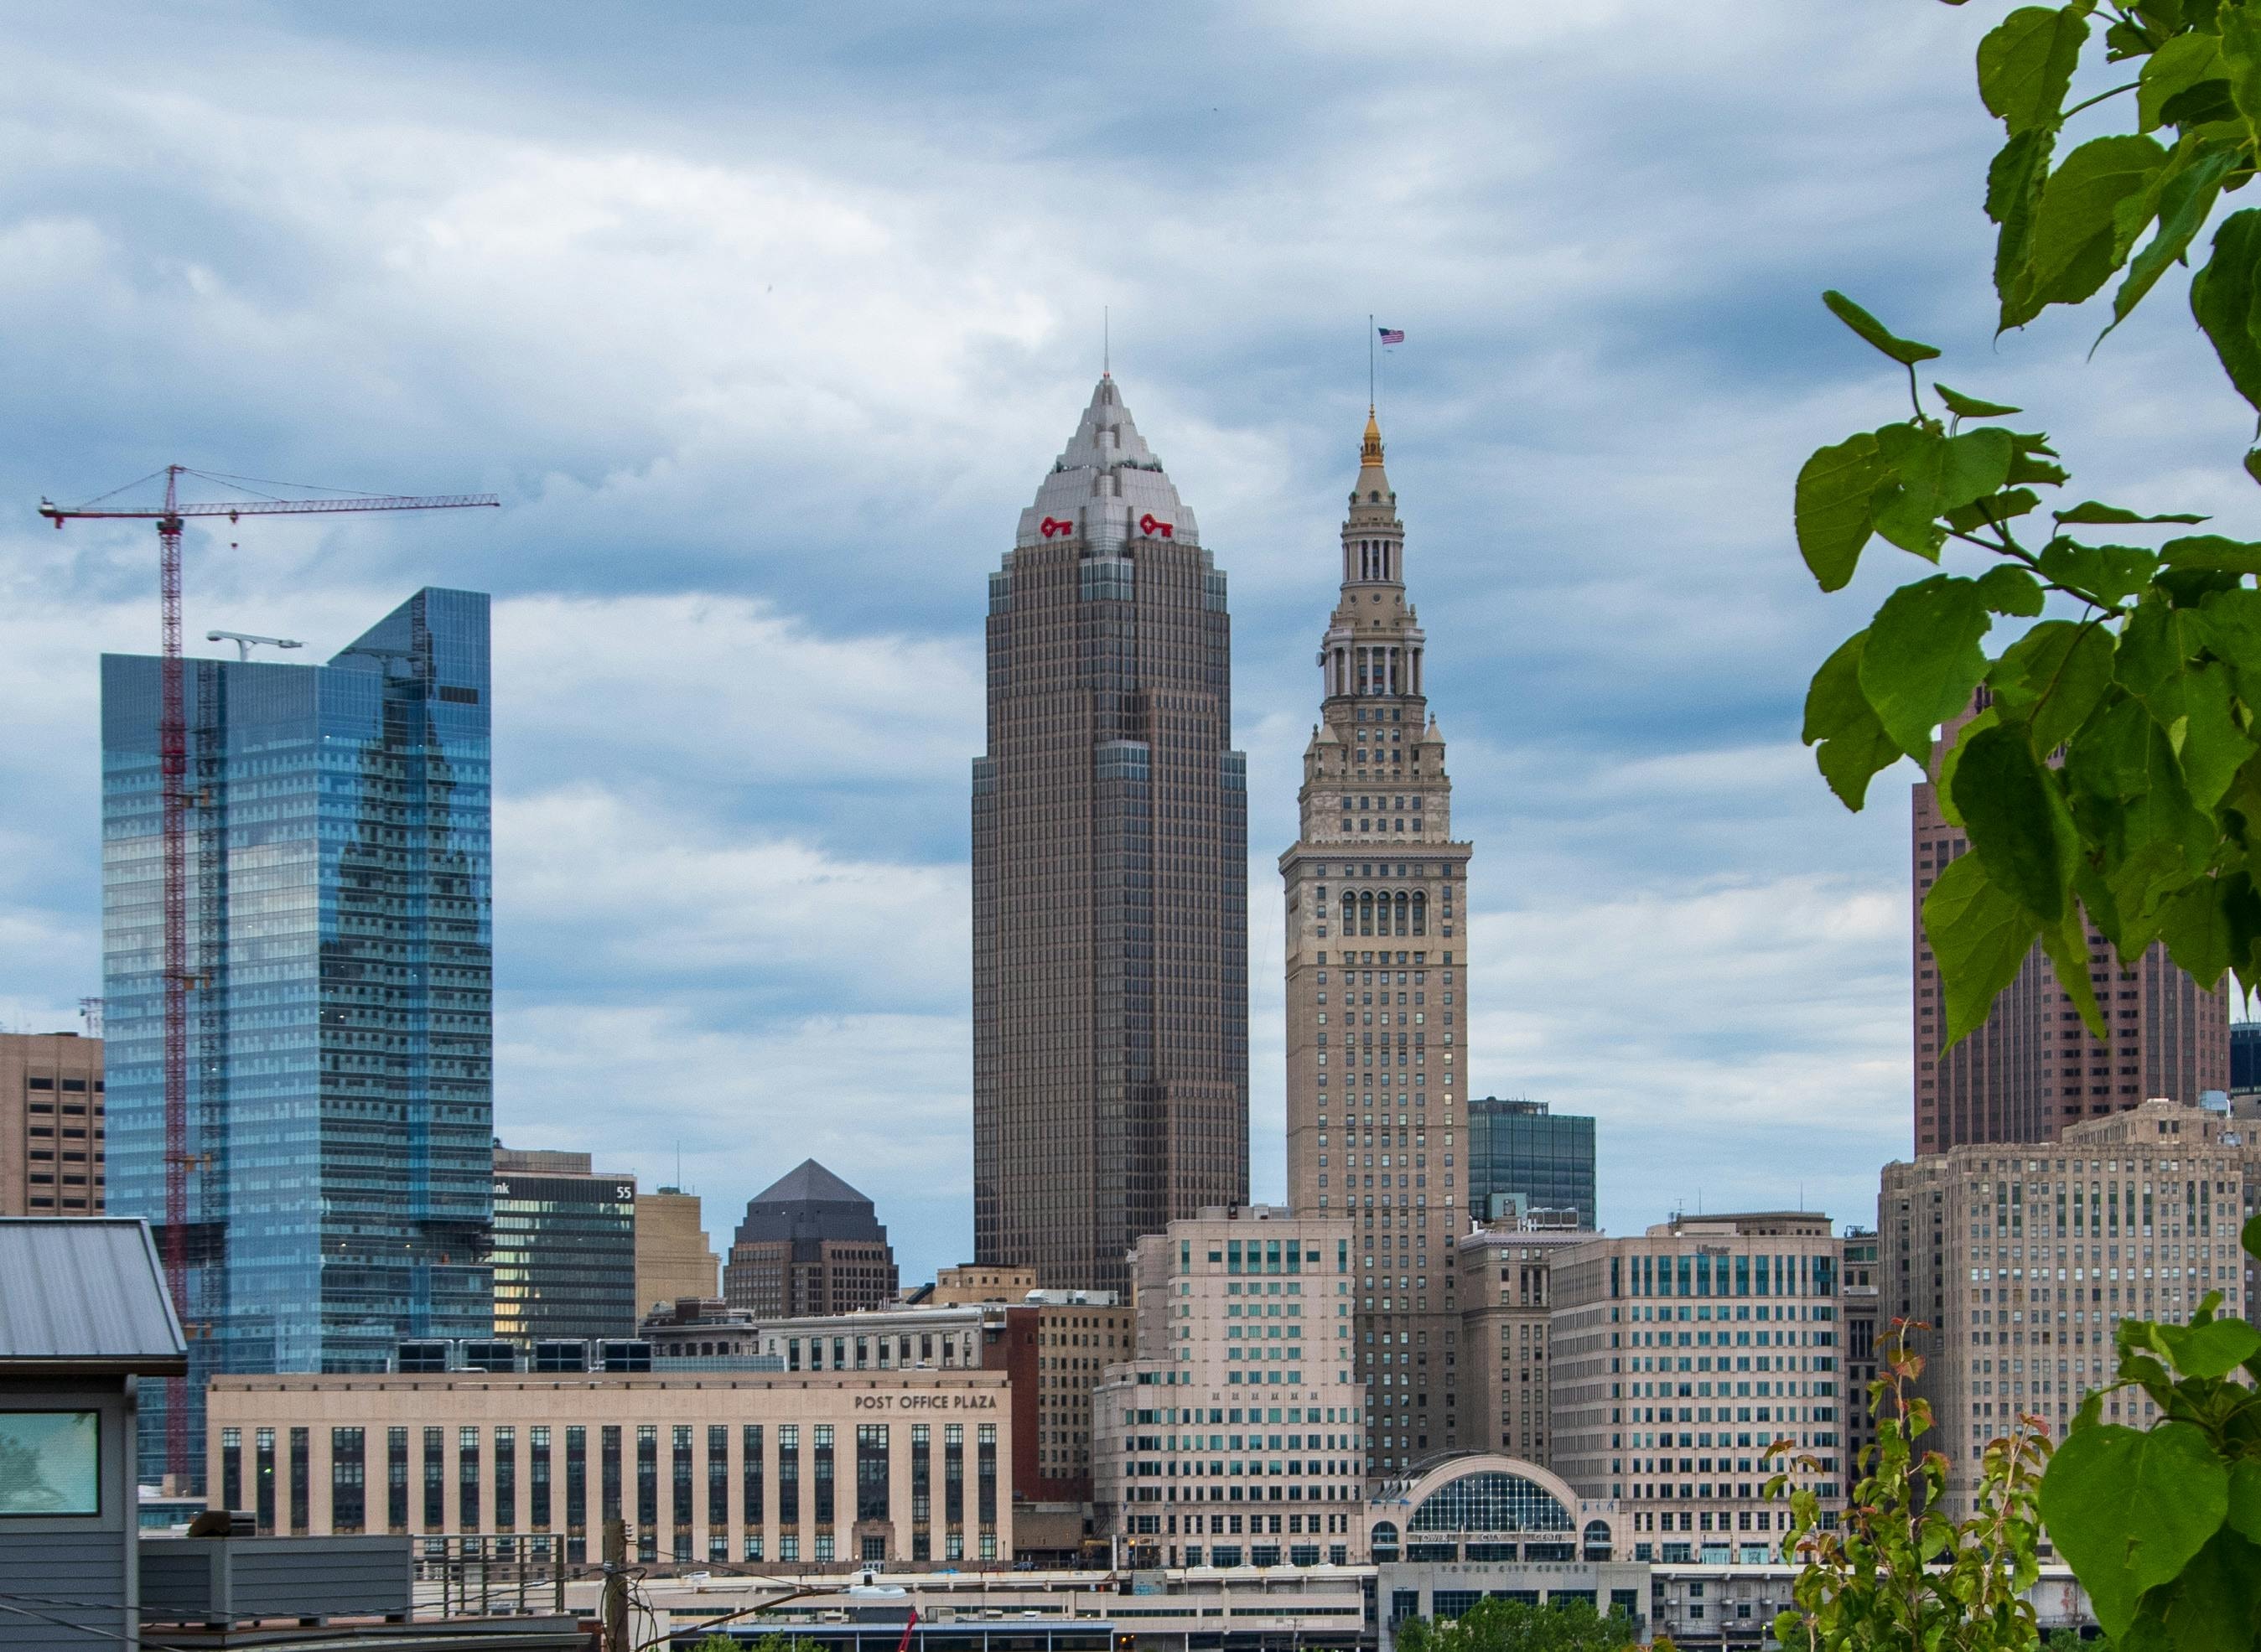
(173, 768)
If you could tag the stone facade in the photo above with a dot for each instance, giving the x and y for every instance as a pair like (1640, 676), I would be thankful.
(1506, 1310)
(1238, 1434)
(899, 1468)
(1749, 1310)
(1376, 956)
(1110, 874)
(673, 1258)
(810, 1244)
(2017, 1263)
(51, 1127)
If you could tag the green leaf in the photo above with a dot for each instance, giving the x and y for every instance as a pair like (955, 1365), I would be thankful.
(1980, 937)
(2128, 1509)
(2178, 65)
(2013, 193)
(2241, 56)
(2066, 942)
(1904, 351)
(2089, 511)
(2211, 552)
(2019, 825)
(2249, 1237)
(2215, 1349)
(1993, 511)
(2253, 464)
(2026, 64)
(1832, 508)
(2110, 573)
(1854, 746)
(2051, 678)
(1908, 504)
(2077, 241)
(2221, 301)
(1969, 406)
(2211, 1606)
(2011, 590)
(2197, 934)
(1973, 465)
(1923, 658)
(2185, 200)
(2244, 1515)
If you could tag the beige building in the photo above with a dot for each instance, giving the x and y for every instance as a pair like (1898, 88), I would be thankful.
(1862, 1290)
(1236, 1435)
(1376, 951)
(900, 1468)
(2019, 1262)
(1681, 1356)
(50, 1124)
(674, 1259)
(1506, 1310)
(979, 1281)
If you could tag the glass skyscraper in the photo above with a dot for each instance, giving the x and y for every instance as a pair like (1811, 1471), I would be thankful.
(1523, 1159)
(340, 1036)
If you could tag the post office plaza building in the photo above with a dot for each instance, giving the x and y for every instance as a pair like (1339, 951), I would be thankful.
(899, 1467)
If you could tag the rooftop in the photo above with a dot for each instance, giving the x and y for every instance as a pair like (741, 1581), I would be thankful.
(85, 1294)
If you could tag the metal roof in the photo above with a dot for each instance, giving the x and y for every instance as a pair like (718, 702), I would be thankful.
(86, 1293)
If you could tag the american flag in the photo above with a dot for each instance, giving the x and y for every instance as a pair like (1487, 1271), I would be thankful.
(1392, 335)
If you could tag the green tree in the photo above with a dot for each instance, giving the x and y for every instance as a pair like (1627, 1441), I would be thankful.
(1493, 1625)
(1897, 1572)
(2112, 782)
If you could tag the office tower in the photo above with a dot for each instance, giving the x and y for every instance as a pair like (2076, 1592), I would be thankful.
(1528, 1164)
(51, 1127)
(2033, 1069)
(810, 1244)
(1242, 1324)
(565, 1251)
(2244, 1057)
(672, 1257)
(1506, 1315)
(2020, 1260)
(1723, 1334)
(1377, 984)
(1111, 881)
(1862, 1290)
(339, 1110)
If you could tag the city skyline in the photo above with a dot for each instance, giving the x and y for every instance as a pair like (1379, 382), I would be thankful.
(645, 338)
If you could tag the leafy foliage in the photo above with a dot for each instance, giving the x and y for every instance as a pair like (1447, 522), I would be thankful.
(2104, 764)
(1898, 1573)
(1493, 1625)
(2163, 1525)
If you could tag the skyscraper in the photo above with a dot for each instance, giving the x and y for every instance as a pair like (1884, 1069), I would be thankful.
(340, 1106)
(2033, 1069)
(1527, 1162)
(1110, 843)
(1377, 984)
(51, 1125)
(810, 1244)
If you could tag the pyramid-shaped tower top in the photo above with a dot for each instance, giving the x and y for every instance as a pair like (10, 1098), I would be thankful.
(1106, 486)
(1373, 491)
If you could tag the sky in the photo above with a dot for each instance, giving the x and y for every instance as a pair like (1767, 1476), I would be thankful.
(766, 321)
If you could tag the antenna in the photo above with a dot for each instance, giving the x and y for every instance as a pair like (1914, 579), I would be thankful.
(1106, 343)
(1370, 336)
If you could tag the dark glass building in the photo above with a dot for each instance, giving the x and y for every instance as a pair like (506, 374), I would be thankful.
(2246, 1056)
(565, 1248)
(1523, 1159)
(340, 1106)
(1110, 874)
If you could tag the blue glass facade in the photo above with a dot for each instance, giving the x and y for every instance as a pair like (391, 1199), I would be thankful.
(340, 1036)
(1521, 1154)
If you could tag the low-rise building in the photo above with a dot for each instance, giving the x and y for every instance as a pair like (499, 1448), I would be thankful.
(1237, 1435)
(873, 1467)
(2015, 1264)
(51, 1129)
(1681, 1356)
(1474, 1524)
(1506, 1310)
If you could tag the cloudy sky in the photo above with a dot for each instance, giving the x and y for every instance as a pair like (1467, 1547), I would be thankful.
(766, 321)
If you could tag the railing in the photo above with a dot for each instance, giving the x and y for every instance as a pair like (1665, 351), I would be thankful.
(493, 1575)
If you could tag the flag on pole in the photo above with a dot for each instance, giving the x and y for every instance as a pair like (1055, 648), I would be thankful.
(1392, 335)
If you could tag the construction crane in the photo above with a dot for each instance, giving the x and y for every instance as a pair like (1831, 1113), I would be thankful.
(172, 757)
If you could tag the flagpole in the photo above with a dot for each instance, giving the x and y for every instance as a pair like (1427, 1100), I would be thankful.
(1369, 360)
